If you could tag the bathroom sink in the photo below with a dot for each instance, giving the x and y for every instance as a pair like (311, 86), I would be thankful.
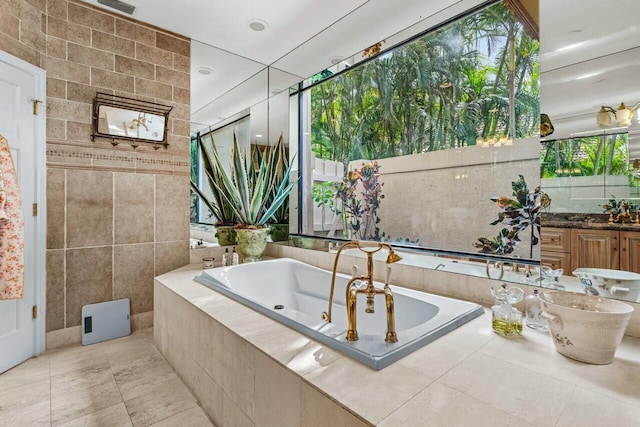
(610, 283)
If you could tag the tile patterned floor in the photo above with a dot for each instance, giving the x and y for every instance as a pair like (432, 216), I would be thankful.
(122, 382)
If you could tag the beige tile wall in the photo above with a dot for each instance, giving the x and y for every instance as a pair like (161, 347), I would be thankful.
(235, 382)
(116, 216)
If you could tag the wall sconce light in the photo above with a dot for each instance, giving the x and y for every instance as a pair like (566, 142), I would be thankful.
(622, 115)
(546, 127)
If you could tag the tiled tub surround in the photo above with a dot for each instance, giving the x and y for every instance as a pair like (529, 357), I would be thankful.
(247, 369)
(295, 293)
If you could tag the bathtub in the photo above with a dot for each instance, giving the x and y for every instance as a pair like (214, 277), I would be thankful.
(296, 294)
(469, 268)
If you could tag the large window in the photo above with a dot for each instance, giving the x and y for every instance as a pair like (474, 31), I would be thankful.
(443, 90)
(376, 134)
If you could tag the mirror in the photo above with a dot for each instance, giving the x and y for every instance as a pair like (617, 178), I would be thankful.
(121, 118)
(588, 59)
(426, 146)
(590, 165)
(325, 55)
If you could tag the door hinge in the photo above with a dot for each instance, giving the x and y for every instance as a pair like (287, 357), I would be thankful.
(34, 312)
(35, 105)
(34, 209)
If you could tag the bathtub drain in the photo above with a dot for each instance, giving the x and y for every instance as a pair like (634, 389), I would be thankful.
(278, 307)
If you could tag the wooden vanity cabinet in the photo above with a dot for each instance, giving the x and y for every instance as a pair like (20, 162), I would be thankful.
(571, 248)
(630, 251)
(556, 248)
(594, 249)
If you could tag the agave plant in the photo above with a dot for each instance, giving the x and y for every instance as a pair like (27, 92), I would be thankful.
(279, 168)
(254, 192)
(216, 204)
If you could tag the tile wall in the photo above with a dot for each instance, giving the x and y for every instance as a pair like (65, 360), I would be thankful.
(234, 381)
(116, 216)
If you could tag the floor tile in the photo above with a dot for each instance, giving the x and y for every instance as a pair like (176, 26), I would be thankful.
(76, 358)
(166, 400)
(109, 417)
(142, 376)
(81, 379)
(28, 394)
(194, 417)
(82, 392)
(38, 415)
(32, 370)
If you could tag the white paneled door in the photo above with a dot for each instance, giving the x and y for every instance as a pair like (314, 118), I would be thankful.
(22, 336)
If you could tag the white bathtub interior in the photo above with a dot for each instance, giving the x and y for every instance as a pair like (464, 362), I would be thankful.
(296, 294)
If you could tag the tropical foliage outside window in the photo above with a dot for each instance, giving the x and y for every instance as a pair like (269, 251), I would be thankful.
(440, 91)
(588, 156)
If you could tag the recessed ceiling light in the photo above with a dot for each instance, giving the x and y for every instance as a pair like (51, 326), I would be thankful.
(257, 24)
(205, 71)
(336, 59)
(258, 136)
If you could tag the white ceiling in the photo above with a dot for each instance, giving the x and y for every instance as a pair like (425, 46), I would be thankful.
(589, 57)
(590, 50)
(301, 38)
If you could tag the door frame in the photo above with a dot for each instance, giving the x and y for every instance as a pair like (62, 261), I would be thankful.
(40, 291)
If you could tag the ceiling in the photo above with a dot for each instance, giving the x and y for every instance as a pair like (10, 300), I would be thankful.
(301, 38)
(589, 57)
(590, 52)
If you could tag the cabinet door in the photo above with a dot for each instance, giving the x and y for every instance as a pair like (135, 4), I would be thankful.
(594, 249)
(557, 260)
(630, 251)
(556, 239)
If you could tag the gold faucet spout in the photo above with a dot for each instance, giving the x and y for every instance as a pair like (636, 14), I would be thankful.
(370, 291)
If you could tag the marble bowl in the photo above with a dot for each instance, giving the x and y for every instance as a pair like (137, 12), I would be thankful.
(610, 283)
(583, 327)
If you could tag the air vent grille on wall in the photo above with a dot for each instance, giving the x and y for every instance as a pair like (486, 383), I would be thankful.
(118, 5)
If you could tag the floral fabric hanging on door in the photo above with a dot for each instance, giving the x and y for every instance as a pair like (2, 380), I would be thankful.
(11, 227)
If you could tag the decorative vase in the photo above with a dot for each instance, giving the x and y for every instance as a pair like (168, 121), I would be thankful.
(252, 242)
(303, 242)
(584, 327)
(226, 235)
(279, 232)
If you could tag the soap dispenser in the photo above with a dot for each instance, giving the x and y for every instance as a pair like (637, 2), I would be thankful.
(533, 312)
(506, 320)
(225, 257)
(234, 257)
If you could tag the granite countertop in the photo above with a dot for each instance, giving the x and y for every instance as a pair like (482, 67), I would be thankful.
(468, 376)
(586, 221)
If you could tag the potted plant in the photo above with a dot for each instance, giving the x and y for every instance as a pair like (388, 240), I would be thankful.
(226, 218)
(279, 222)
(519, 213)
(254, 193)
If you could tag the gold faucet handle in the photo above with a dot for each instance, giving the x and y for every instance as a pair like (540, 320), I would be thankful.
(387, 277)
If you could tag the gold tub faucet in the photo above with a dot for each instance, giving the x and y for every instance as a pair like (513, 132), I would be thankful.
(370, 291)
